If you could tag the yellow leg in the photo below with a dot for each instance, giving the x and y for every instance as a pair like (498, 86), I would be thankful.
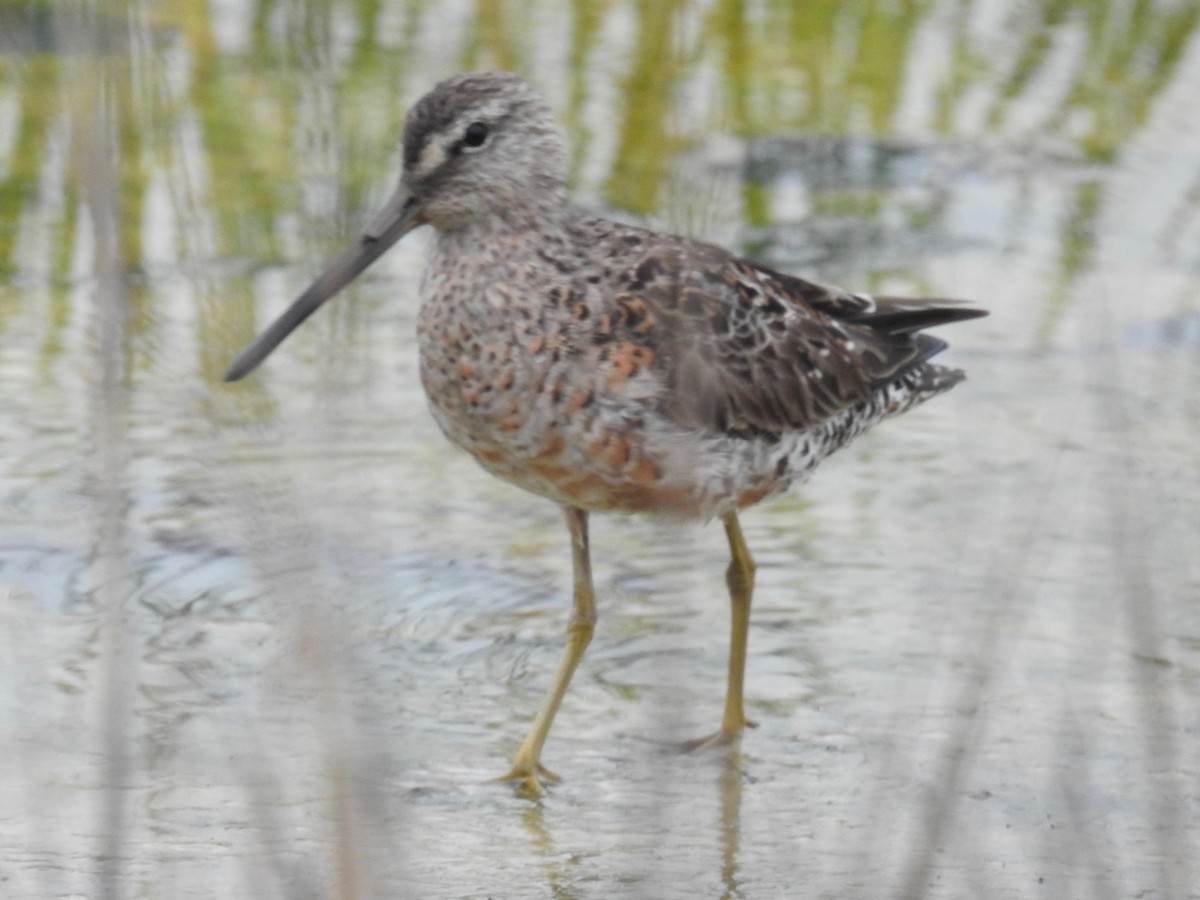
(740, 578)
(526, 766)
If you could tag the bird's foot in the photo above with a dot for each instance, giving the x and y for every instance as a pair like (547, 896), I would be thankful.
(722, 738)
(529, 778)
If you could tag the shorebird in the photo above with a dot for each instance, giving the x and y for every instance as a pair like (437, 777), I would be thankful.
(614, 369)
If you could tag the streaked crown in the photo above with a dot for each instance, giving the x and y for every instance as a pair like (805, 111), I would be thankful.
(484, 147)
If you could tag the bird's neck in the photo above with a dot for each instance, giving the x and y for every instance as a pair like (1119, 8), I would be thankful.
(510, 227)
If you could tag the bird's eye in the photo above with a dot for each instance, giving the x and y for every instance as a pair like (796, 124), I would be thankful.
(475, 135)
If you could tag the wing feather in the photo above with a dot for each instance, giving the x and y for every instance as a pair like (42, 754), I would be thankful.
(745, 349)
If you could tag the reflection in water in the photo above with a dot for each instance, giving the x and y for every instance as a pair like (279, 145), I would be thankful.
(842, 205)
(730, 788)
(533, 818)
(267, 643)
(647, 142)
(106, 475)
(30, 29)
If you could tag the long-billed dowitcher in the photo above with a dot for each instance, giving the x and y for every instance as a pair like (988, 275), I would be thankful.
(610, 368)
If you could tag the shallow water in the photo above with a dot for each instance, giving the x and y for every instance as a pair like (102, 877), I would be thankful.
(273, 639)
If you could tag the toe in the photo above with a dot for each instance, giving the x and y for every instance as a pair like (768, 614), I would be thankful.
(529, 779)
(721, 738)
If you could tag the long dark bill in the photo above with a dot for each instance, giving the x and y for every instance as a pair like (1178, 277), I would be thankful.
(401, 215)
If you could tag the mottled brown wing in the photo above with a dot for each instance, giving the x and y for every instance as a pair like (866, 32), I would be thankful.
(748, 350)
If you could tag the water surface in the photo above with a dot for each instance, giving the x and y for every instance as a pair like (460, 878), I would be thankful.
(273, 639)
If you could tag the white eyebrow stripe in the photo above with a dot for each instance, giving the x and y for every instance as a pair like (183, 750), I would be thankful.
(436, 149)
(433, 154)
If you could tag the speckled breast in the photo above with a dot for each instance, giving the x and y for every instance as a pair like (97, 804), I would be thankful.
(510, 381)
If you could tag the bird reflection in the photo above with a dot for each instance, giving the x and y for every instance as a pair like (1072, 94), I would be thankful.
(542, 843)
(729, 787)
